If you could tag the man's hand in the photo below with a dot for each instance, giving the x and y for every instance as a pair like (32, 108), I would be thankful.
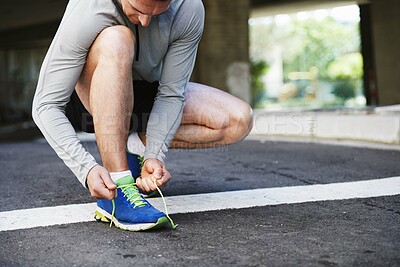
(153, 169)
(100, 183)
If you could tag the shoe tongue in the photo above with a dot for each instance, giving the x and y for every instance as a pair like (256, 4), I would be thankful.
(125, 180)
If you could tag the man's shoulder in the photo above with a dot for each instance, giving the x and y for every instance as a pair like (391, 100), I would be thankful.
(187, 7)
(191, 4)
(186, 12)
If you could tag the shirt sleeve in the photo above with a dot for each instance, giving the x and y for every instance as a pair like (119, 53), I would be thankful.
(166, 114)
(82, 22)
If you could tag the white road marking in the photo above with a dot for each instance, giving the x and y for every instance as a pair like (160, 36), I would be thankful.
(47, 216)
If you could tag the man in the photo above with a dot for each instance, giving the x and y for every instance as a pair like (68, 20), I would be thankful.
(111, 63)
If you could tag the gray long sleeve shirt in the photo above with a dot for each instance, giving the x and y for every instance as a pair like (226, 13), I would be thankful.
(167, 50)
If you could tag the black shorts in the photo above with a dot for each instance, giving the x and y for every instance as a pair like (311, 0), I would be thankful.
(144, 94)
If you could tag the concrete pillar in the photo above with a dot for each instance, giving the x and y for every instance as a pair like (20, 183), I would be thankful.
(386, 36)
(223, 56)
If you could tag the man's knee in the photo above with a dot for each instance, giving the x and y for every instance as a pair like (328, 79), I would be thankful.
(241, 122)
(115, 42)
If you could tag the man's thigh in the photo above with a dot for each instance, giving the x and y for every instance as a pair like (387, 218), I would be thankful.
(211, 107)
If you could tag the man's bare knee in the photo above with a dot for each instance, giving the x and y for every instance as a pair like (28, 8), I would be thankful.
(113, 47)
(240, 123)
(115, 43)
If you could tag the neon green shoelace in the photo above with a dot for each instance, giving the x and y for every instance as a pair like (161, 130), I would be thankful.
(173, 225)
(133, 196)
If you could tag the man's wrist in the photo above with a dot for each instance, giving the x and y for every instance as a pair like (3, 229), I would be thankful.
(159, 161)
(153, 156)
(86, 178)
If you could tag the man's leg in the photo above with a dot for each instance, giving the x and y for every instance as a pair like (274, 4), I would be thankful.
(211, 118)
(105, 89)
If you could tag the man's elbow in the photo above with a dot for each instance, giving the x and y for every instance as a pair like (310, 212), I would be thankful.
(35, 112)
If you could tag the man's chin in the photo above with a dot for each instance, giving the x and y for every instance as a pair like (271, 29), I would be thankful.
(135, 21)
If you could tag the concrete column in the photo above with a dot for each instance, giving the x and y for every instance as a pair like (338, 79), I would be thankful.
(386, 36)
(223, 57)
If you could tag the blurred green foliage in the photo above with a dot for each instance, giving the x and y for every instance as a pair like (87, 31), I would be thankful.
(346, 71)
(346, 67)
(257, 70)
(319, 43)
(327, 44)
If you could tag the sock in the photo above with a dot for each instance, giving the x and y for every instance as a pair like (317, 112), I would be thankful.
(116, 175)
(135, 145)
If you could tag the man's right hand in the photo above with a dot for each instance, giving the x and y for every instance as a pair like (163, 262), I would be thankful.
(100, 183)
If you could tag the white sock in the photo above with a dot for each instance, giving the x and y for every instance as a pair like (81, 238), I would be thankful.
(135, 145)
(116, 175)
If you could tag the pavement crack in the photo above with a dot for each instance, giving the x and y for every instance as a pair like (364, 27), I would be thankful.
(292, 177)
(244, 165)
(381, 207)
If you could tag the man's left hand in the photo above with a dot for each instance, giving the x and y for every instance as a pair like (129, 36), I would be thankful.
(153, 170)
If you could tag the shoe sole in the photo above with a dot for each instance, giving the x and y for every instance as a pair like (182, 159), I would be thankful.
(103, 216)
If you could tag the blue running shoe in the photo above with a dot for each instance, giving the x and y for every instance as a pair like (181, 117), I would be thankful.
(135, 163)
(129, 210)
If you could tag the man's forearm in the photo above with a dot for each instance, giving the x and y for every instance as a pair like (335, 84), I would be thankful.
(163, 123)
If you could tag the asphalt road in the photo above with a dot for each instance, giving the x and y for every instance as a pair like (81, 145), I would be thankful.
(355, 232)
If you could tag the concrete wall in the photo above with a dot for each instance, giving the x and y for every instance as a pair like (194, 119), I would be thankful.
(223, 57)
(386, 36)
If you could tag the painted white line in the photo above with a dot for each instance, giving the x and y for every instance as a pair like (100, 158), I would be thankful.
(47, 216)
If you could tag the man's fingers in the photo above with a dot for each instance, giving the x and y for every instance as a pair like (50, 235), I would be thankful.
(147, 184)
(109, 183)
(158, 173)
(100, 183)
(154, 174)
(150, 182)
(103, 192)
(109, 186)
(165, 178)
(139, 183)
(142, 184)
(108, 194)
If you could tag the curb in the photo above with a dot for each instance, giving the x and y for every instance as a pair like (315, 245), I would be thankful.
(379, 125)
(376, 125)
